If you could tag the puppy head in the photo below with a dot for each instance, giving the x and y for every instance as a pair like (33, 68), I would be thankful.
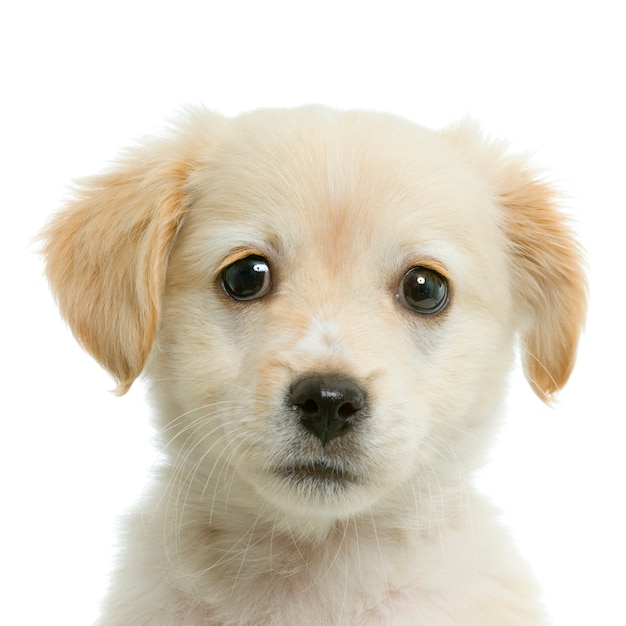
(325, 302)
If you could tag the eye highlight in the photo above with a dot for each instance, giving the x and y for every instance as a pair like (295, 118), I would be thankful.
(247, 279)
(423, 290)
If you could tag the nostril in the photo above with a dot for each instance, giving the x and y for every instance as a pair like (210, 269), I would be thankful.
(347, 409)
(309, 407)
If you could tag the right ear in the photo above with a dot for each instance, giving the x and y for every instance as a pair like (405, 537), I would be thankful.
(107, 251)
(546, 262)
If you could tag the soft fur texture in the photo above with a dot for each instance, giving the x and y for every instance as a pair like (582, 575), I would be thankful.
(251, 520)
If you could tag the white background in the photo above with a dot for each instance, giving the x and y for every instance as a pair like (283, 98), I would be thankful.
(79, 80)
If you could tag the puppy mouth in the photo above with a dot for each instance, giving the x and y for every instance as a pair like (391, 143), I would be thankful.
(318, 472)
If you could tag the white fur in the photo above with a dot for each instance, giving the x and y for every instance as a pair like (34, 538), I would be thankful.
(342, 204)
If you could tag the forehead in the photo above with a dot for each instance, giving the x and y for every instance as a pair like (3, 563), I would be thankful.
(330, 183)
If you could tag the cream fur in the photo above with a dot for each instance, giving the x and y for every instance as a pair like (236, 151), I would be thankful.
(341, 204)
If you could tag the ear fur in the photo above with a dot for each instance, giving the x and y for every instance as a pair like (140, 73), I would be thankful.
(549, 280)
(549, 285)
(107, 253)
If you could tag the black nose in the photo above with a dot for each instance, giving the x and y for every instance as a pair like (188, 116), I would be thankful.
(328, 406)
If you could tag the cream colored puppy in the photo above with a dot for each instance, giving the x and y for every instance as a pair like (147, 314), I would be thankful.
(326, 305)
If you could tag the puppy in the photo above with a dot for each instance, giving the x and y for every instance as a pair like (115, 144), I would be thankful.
(326, 306)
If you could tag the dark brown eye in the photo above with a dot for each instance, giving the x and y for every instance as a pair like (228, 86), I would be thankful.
(247, 278)
(423, 290)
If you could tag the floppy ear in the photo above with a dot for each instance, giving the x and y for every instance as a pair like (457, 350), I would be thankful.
(107, 255)
(549, 280)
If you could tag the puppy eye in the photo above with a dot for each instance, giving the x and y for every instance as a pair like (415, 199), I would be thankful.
(423, 290)
(247, 278)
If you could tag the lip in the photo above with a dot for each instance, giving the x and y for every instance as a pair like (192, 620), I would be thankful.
(319, 472)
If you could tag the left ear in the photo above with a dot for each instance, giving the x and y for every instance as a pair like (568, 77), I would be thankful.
(107, 251)
(548, 278)
(107, 256)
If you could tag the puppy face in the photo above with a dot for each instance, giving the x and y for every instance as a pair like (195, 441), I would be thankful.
(326, 303)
